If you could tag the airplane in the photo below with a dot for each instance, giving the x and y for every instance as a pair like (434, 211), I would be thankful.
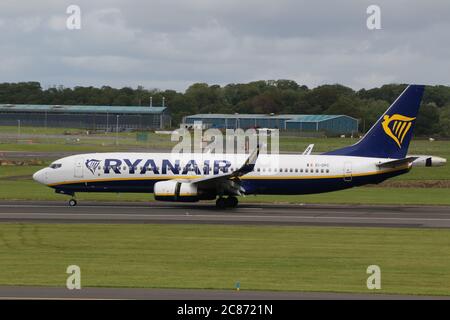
(381, 154)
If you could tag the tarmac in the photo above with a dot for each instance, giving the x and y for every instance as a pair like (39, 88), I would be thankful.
(52, 293)
(245, 214)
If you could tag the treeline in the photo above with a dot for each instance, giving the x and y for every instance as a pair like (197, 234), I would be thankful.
(273, 96)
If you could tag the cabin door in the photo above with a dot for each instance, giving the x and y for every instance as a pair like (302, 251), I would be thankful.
(78, 173)
(348, 171)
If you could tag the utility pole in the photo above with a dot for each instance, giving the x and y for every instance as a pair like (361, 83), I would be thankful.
(18, 129)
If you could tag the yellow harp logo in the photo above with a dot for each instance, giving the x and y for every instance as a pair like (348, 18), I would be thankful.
(396, 127)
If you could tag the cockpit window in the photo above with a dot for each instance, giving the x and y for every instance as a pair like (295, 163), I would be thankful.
(55, 165)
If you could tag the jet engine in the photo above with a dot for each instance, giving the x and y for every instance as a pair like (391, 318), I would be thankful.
(180, 191)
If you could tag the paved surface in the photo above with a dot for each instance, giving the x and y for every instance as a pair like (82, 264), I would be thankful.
(323, 215)
(187, 294)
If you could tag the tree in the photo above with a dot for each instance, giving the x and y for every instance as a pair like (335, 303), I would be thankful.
(427, 122)
(444, 121)
(346, 105)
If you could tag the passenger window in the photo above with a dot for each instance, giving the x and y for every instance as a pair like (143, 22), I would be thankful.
(296, 170)
(301, 170)
(317, 170)
(290, 170)
(328, 171)
(306, 170)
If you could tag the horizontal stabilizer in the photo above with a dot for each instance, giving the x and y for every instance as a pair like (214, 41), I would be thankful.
(397, 163)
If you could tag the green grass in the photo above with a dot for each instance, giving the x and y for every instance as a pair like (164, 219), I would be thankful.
(412, 261)
(16, 184)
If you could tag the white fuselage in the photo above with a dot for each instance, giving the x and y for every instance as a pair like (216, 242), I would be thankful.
(272, 174)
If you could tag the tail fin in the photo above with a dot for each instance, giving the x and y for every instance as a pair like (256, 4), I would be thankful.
(390, 135)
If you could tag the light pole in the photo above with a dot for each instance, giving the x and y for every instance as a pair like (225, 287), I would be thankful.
(18, 129)
(117, 130)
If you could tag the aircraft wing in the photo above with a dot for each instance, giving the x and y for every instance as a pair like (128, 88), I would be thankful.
(229, 182)
(396, 163)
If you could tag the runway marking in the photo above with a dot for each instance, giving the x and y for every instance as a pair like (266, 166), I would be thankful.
(342, 211)
(52, 298)
(109, 215)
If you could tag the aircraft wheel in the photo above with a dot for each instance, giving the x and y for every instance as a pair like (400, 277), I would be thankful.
(221, 203)
(72, 202)
(232, 202)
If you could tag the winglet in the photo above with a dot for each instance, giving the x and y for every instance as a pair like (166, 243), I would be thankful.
(249, 164)
(308, 150)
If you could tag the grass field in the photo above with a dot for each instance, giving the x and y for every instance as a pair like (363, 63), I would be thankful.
(16, 184)
(412, 261)
(48, 137)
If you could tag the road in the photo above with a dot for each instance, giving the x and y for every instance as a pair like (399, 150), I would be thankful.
(44, 293)
(255, 214)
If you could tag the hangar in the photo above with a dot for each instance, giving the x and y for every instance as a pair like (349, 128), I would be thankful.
(109, 118)
(331, 124)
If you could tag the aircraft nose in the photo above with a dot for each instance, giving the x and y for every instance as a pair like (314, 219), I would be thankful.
(39, 176)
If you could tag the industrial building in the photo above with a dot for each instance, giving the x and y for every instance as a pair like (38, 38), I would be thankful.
(330, 124)
(109, 118)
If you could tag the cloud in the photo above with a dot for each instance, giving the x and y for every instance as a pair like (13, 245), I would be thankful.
(171, 44)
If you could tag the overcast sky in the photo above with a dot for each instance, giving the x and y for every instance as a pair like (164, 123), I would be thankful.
(170, 44)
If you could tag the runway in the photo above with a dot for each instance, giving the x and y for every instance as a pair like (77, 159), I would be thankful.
(253, 214)
(46, 293)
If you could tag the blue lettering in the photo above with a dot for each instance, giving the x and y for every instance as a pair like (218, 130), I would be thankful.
(148, 163)
(112, 164)
(221, 165)
(206, 167)
(191, 166)
(132, 166)
(167, 165)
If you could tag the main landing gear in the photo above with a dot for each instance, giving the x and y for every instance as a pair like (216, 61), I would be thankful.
(230, 202)
(72, 202)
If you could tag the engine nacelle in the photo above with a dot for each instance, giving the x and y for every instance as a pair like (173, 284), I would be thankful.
(176, 191)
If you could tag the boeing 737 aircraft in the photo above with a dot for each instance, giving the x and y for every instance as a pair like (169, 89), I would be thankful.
(379, 155)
